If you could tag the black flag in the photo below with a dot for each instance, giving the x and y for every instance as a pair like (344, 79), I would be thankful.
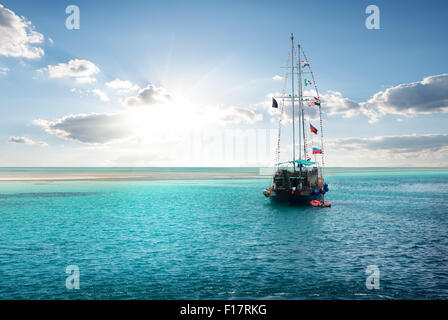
(274, 103)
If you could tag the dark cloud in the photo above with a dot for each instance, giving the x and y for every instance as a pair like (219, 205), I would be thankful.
(89, 128)
(7, 17)
(395, 144)
(423, 97)
(25, 140)
(427, 96)
(148, 96)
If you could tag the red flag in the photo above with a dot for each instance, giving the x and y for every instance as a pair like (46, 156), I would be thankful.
(313, 130)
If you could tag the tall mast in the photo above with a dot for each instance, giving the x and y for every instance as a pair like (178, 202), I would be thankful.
(292, 101)
(300, 103)
(301, 117)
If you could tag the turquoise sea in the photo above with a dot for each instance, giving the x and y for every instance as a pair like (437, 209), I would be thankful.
(208, 233)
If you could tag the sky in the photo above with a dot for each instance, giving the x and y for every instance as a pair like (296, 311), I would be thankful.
(190, 83)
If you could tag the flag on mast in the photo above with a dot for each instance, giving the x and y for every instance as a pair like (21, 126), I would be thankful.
(317, 150)
(313, 129)
(274, 103)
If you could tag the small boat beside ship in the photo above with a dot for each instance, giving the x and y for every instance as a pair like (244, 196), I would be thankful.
(300, 179)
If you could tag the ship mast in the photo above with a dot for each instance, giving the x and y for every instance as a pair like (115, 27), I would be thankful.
(292, 101)
(302, 136)
(301, 125)
(301, 115)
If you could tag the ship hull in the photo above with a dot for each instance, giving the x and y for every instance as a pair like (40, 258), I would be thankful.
(293, 199)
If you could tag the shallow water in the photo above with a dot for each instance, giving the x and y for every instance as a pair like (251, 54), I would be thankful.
(198, 239)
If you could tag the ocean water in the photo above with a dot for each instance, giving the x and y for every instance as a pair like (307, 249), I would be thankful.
(221, 239)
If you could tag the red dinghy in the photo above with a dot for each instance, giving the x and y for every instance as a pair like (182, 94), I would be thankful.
(316, 203)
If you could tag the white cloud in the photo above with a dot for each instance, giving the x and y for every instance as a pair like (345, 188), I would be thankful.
(25, 140)
(102, 95)
(4, 71)
(336, 104)
(311, 113)
(81, 70)
(119, 84)
(277, 78)
(18, 37)
(148, 96)
(88, 128)
(142, 125)
(239, 115)
(123, 86)
(85, 80)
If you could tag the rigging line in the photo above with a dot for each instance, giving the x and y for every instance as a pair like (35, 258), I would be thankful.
(320, 115)
(305, 147)
(305, 153)
(282, 104)
(299, 83)
(293, 108)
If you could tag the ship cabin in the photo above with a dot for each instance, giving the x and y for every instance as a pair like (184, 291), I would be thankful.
(300, 178)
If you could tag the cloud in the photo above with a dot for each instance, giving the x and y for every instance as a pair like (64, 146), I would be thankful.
(122, 86)
(277, 78)
(81, 70)
(25, 140)
(148, 96)
(102, 95)
(311, 113)
(18, 37)
(145, 125)
(393, 144)
(336, 104)
(4, 71)
(239, 115)
(86, 80)
(423, 97)
(88, 128)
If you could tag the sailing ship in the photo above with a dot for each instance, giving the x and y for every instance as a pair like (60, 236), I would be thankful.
(300, 179)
